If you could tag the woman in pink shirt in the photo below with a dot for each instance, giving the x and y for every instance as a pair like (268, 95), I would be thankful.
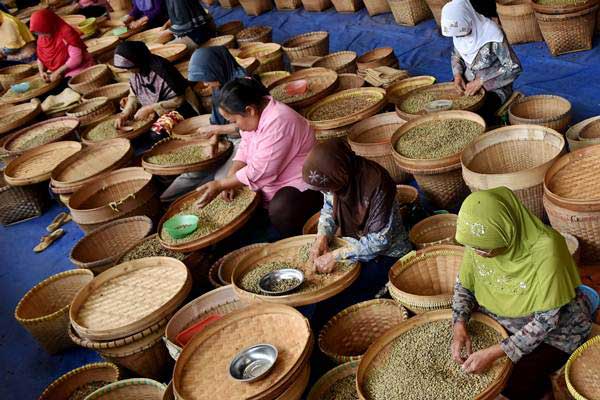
(275, 142)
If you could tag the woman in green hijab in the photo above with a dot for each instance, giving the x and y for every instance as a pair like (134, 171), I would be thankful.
(519, 272)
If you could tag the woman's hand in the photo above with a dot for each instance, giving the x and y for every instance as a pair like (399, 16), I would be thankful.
(325, 264)
(319, 247)
(460, 341)
(120, 121)
(482, 360)
(459, 83)
(473, 87)
(56, 76)
(45, 76)
(144, 113)
(209, 191)
(228, 195)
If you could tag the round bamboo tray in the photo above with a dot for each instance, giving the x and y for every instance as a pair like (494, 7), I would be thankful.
(249, 64)
(130, 135)
(207, 356)
(44, 310)
(550, 111)
(101, 45)
(518, 21)
(170, 52)
(370, 110)
(348, 335)
(572, 135)
(223, 152)
(230, 28)
(99, 249)
(272, 78)
(440, 179)
(43, 88)
(424, 280)
(114, 93)
(269, 55)
(307, 44)
(86, 165)
(376, 353)
(222, 301)
(36, 165)
(379, 57)
(136, 388)
(250, 34)
(399, 89)
(15, 73)
(92, 111)
(187, 129)
(321, 83)
(342, 62)
(433, 231)
(225, 40)
(121, 193)
(581, 371)
(311, 226)
(129, 298)
(350, 81)
(331, 377)
(12, 142)
(212, 238)
(288, 249)
(516, 157)
(227, 264)
(573, 246)
(153, 36)
(25, 113)
(445, 91)
(371, 138)
(65, 386)
(90, 79)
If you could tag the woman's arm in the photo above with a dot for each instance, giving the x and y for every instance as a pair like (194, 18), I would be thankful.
(458, 65)
(76, 57)
(165, 106)
(463, 303)
(509, 66)
(327, 225)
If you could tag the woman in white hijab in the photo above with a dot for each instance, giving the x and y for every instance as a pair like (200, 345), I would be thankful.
(482, 56)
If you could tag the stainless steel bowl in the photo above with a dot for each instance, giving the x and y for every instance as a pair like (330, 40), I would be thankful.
(438, 105)
(270, 281)
(253, 363)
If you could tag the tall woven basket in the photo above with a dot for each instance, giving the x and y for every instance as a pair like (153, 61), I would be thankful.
(436, 9)
(568, 33)
(409, 12)
(376, 7)
(284, 5)
(256, 7)
(21, 203)
(518, 21)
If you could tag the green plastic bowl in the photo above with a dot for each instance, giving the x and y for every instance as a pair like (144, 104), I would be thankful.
(181, 226)
(119, 31)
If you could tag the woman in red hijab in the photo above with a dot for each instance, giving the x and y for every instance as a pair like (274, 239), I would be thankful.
(60, 50)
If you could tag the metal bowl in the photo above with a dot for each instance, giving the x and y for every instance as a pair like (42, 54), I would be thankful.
(253, 363)
(438, 105)
(269, 282)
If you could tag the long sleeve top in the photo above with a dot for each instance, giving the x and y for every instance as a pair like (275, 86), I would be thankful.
(156, 14)
(275, 152)
(78, 60)
(496, 64)
(565, 328)
(391, 241)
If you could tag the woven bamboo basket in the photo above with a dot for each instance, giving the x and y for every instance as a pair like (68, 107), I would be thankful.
(348, 335)
(122, 193)
(99, 249)
(284, 5)
(153, 36)
(572, 135)
(408, 198)
(271, 79)
(342, 62)
(119, 74)
(187, 128)
(102, 45)
(518, 21)
(14, 143)
(546, 110)
(21, 203)
(350, 81)
(409, 12)
(376, 355)
(436, 9)
(256, 7)
(323, 135)
(347, 6)
(516, 157)
(573, 246)
(15, 73)
(225, 40)
(316, 5)
(371, 139)
(379, 57)
(130, 135)
(44, 310)
(376, 7)
(580, 371)
(397, 90)
(568, 33)
(221, 301)
(136, 388)
(433, 231)
(251, 34)
(41, 88)
(269, 55)
(170, 52)
(73, 20)
(307, 44)
(65, 386)
(90, 79)
(207, 356)
(441, 180)
(331, 377)
(227, 264)
(560, 8)
(285, 250)
(590, 132)
(114, 93)
(230, 28)
(25, 113)
(321, 83)
(229, 3)
(91, 112)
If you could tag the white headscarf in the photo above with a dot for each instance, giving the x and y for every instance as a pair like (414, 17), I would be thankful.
(469, 30)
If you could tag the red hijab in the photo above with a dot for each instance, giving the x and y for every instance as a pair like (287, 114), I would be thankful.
(52, 48)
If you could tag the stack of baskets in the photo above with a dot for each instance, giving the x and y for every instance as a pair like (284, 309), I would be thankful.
(518, 21)
(122, 313)
(379, 57)
(307, 44)
(567, 27)
(341, 62)
(433, 231)
(269, 55)
(553, 112)
(92, 111)
(90, 79)
(578, 139)
(409, 12)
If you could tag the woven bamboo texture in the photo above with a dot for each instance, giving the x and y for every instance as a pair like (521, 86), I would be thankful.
(251, 34)
(98, 250)
(334, 133)
(230, 28)
(516, 157)
(35, 165)
(350, 81)
(271, 78)
(342, 62)
(550, 111)
(82, 167)
(433, 231)
(377, 352)
(170, 52)
(119, 74)
(15, 73)
(298, 386)
(44, 310)
(331, 377)
(409, 12)
(560, 8)
(226, 264)
(397, 90)
(518, 21)
(102, 45)
(44, 87)
(90, 79)
(376, 7)
(12, 142)
(136, 388)
(225, 40)
(307, 44)
(153, 36)
(348, 335)
(221, 301)
(65, 386)
(256, 7)
(206, 358)
(187, 128)
(379, 57)
(20, 203)
(316, 5)
(436, 9)
(26, 113)
(229, 3)
(568, 33)
(269, 55)
(321, 83)
(581, 372)
(114, 93)
(347, 6)
(424, 280)
(572, 135)
(129, 298)
(371, 139)
(91, 112)
(408, 198)
(284, 5)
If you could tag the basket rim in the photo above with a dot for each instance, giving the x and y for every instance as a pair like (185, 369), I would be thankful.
(235, 253)
(102, 69)
(359, 128)
(77, 371)
(595, 341)
(542, 97)
(74, 122)
(306, 74)
(428, 80)
(319, 36)
(426, 222)
(351, 366)
(124, 383)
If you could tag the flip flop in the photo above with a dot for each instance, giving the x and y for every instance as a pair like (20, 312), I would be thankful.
(59, 221)
(47, 240)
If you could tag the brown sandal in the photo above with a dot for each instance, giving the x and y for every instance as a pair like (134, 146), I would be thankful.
(47, 240)
(59, 221)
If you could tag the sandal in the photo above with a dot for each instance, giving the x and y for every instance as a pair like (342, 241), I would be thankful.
(59, 221)
(47, 240)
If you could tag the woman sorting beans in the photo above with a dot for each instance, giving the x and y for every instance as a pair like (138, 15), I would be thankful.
(482, 56)
(149, 13)
(275, 143)
(519, 272)
(17, 44)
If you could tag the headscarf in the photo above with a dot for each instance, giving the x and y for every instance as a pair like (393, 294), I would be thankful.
(52, 48)
(363, 192)
(469, 30)
(535, 273)
(13, 32)
(186, 15)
